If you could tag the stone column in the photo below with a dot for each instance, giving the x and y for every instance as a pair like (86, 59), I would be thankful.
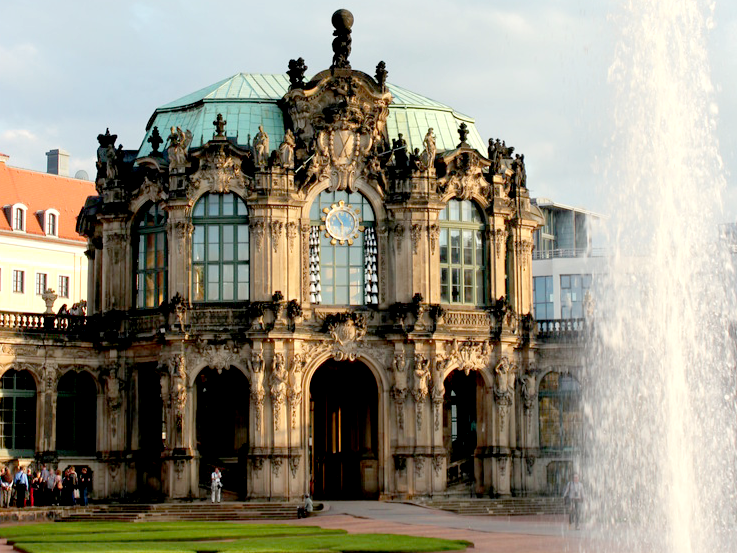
(116, 264)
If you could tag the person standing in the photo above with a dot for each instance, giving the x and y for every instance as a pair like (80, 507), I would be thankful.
(216, 484)
(21, 486)
(575, 495)
(85, 485)
(6, 481)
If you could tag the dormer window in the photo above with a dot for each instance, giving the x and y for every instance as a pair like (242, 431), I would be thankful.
(52, 222)
(19, 218)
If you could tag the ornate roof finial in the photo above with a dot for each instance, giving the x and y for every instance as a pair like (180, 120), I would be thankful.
(381, 74)
(155, 140)
(296, 73)
(219, 126)
(342, 21)
(463, 134)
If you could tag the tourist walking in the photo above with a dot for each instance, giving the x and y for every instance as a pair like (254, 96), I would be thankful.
(216, 484)
(58, 487)
(21, 487)
(574, 496)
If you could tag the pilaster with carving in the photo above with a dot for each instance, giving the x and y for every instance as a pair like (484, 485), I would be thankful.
(294, 393)
(278, 389)
(116, 282)
(180, 229)
(399, 388)
(420, 387)
(256, 366)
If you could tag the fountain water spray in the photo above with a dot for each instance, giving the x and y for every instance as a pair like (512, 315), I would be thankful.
(659, 400)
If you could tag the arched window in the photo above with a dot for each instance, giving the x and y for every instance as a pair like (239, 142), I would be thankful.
(18, 412)
(343, 250)
(51, 224)
(560, 414)
(151, 258)
(76, 414)
(462, 267)
(220, 249)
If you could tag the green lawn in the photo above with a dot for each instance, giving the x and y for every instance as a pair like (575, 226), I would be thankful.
(193, 537)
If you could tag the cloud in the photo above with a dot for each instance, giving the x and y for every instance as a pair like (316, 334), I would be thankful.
(18, 135)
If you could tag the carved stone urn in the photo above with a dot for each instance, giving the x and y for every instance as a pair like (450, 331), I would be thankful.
(49, 296)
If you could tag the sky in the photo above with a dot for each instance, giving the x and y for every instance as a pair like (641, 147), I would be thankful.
(531, 72)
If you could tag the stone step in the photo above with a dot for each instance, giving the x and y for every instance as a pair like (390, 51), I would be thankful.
(185, 511)
(500, 507)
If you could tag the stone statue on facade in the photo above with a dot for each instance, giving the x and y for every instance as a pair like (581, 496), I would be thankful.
(111, 167)
(295, 385)
(256, 364)
(296, 73)
(420, 387)
(106, 140)
(179, 142)
(261, 147)
(286, 150)
(278, 387)
(381, 74)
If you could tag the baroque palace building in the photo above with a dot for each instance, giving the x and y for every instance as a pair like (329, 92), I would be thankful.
(317, 284)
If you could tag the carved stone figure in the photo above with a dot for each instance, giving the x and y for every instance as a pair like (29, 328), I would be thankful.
(256, 364)
(278, 379)
(504, 381)
(111, 167)
(381, 74)
(399, 368)
(297, 69)
(401, 157)
(106, 140)
(112, 390)
(420, 387)
(428, 155)
(261, 147)
(179, 142)
(286, 150)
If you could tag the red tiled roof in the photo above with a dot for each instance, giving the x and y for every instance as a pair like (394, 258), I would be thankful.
(42, 191)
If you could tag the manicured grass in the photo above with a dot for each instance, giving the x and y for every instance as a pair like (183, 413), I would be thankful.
(192, 537)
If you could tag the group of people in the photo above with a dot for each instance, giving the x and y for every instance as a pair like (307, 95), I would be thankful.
(44, 487)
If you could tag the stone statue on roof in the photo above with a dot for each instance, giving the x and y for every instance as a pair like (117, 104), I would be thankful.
(428, 156)
(179, 142)
(286, 150)
(261, 147)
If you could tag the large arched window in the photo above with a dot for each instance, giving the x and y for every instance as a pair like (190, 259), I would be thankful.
(18, 412)
(151, 258)
(76, 414)
(462, 267)
(220, 249)
(343, 250)
(560, 414)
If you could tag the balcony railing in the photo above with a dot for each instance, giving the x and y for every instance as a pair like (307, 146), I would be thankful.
(560, 330)
(41, 322)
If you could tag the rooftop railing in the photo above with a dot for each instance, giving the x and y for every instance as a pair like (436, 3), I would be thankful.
(569, 252)
(560, 330)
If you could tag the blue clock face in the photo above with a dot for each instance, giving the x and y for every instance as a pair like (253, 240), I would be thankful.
(341, 223)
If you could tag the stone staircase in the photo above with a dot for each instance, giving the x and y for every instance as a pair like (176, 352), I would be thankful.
(197, 511)
(511, 506)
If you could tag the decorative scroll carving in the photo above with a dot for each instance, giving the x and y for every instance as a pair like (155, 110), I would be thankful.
(182, 232)
(151, 190)
(276, 463)
(419, 465)
(415, 234)
(524, 251)
(500, 241)
(258, 227)
(292, 229)
(399, 236)
(50, 376)
(275, 230)
(468, 356)
(434, 233)
(257, 462)
(278, 387)
(463, 173)
(294, 464)
(437, 464)
(346, 331)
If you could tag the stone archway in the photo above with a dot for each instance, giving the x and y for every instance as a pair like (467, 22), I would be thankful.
(344, 431)
(462, 416)
(221, 427)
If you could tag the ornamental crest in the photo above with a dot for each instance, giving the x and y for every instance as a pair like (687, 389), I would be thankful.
(460, 173)
(342, 120)
(220, 168)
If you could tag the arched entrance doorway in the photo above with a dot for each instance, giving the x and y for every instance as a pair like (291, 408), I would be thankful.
(344, 452)
(222, 427)
(462, 410)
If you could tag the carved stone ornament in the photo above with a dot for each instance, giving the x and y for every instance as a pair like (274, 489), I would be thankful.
(150, 191)
(504, 379)
(503, 462)
(220, 169)
(294, 465)
(468, 356)
(276, 463)
(257, 463)
(500, 241)
(524, 251)
(399, 389)
(530, 462)
(464, 174)
(50, 376)
(420, 387)
(399, 235)
(218, 356)
(437, 464)
(416, 235)
(294, 393)
(275, 230)
(346, 331)
(257, 228)
(419, 465)
(343, 119)
(256, 366)
(434, 233)
(292, 230)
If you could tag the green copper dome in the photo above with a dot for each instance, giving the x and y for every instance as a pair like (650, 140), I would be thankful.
(248, 100)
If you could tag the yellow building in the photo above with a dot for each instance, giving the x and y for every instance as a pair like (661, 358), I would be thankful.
(39, 247)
